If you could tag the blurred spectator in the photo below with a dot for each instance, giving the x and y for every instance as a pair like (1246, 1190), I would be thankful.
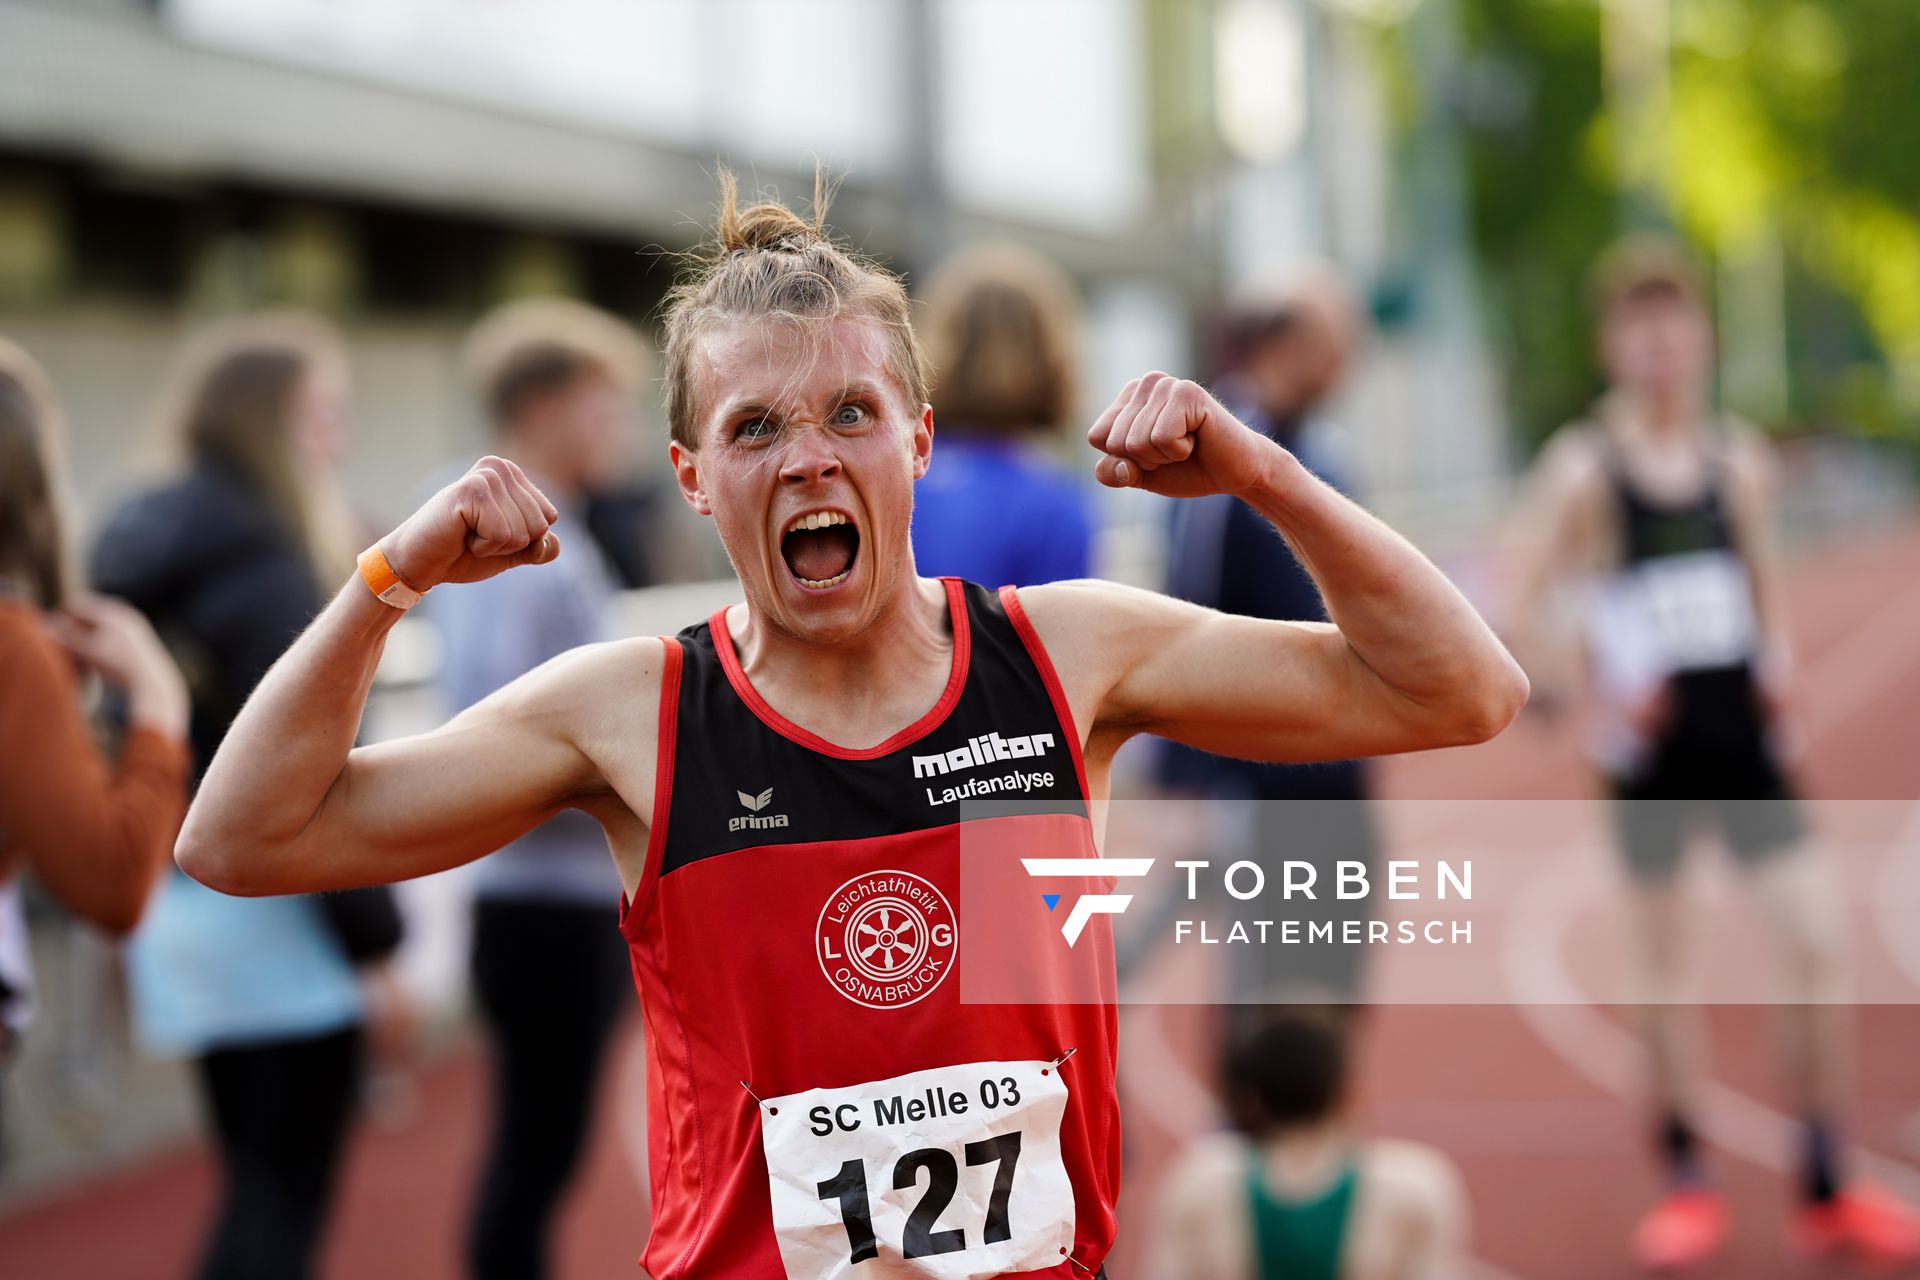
(231, 560)
(1297, 1194)
(1287, 351)
(1661, 506)
(95, 834)
(1003, 334)
(559, 381)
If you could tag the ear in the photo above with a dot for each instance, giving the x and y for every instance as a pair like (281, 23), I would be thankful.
(923, 442)
(686, 470)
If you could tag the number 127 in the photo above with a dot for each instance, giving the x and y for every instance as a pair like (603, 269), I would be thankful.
(849, 1187)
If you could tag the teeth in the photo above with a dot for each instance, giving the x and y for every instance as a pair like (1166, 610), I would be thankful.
(834, 581)
(817, 520)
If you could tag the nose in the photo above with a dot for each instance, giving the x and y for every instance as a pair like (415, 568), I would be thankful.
(809, 459)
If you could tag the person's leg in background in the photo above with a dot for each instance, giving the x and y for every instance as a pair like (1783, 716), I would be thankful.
(551, 982)
(1669, 1023)
(1800, 900)
(1800, 896)
(1690, 1221)
(281, 1112)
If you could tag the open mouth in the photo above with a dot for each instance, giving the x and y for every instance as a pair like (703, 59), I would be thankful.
(820, 548)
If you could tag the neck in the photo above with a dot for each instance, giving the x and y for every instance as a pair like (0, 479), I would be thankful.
(893, 669)
(1307, 1156)
(1669, 413)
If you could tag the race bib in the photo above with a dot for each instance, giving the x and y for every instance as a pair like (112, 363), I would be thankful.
(953, 1173)
(1699, 607)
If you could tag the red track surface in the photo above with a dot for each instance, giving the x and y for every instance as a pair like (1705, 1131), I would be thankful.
(1556, 1166)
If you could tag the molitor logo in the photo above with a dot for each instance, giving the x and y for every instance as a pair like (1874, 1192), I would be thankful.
(885, 939)
(1087, 905)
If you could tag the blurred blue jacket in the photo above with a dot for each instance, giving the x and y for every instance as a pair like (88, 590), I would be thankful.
(997, 512)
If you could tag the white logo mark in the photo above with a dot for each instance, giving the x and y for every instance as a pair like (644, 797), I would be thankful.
(1088, 905)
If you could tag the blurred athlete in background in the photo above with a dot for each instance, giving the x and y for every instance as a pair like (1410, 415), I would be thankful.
(767, 779)
(1659, 507)
(1297, 1193)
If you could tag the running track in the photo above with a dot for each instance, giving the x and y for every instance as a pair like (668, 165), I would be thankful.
(1534, 1105)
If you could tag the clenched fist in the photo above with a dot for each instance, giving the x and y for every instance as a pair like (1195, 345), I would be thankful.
(489, 520)
(1168, 435)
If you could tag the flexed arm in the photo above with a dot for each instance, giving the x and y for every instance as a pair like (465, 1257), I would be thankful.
(288, 804)
(1406, 663)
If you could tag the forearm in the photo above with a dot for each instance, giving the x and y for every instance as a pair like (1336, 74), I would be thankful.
(288, 747)
(1398, 614)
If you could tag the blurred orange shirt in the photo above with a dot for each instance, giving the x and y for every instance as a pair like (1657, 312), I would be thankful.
(95, 834)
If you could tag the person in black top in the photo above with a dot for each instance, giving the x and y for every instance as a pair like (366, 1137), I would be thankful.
(226, 560)
(1660, 506)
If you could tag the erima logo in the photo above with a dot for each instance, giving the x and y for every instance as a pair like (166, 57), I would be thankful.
(755, 821)
(988, 748)
(1087, 905)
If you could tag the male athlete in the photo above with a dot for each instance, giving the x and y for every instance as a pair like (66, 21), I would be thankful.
(778, 785)
(1663, 505)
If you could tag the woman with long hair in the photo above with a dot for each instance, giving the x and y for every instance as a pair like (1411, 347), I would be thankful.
(227, 560)
(94, 833)
(1003, 334)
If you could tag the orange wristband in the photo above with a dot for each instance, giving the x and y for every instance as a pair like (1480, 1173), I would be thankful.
(384, 582)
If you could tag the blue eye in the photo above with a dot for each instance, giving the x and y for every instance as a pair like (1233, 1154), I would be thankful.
(849, 415)
(754, 429)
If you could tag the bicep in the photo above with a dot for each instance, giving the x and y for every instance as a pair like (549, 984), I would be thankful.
(416, 805)
(1139, 662)
(1260, 689)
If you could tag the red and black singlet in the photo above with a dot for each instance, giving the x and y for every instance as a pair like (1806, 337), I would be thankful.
(798, 928)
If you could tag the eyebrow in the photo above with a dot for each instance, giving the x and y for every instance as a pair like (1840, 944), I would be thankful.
(856, 390)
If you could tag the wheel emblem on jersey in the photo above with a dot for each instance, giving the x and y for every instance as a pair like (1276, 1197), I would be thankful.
(885, 939)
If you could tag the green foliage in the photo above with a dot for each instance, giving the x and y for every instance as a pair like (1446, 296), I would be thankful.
(1785, 122)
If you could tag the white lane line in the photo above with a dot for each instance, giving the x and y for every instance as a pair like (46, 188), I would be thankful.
(1896, 893)
(1487, 1271)
(1552, 1003)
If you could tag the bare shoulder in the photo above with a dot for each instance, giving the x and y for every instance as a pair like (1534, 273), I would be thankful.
(614, 677)
(1573, 460)
(1411, 1180)
(1095, 633)
(1208, 1171)
(1752, 456)
(604, 699)
(1090, 613)
(1199, 1226)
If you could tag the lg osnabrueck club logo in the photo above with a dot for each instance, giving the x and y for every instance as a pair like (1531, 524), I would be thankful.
(886, 938)
(1087, 905)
